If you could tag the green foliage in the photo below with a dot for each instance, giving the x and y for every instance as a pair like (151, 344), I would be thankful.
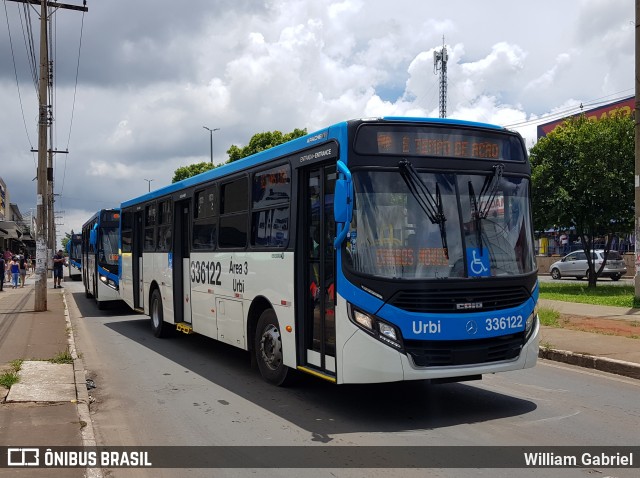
(258, 142)
(549, 317)
(10, 377)
(582, 177)
(185, 172)
(62, 357)
(262, 141)
(605, 294)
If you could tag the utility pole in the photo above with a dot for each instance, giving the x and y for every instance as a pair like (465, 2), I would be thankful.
(42, 193)
(440, 59)
(44, 196)
(637, 156)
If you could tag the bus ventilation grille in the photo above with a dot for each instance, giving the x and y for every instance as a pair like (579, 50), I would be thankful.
(464, 352)
(459, 300)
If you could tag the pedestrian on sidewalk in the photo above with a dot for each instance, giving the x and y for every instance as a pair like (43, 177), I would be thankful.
(14, 267)
(58, 262)
(7, 259)
(2, 271)
(22, 263)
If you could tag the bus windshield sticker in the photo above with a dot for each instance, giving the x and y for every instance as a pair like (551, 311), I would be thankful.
(478, 262)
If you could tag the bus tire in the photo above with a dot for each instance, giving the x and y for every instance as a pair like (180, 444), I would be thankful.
(268, 350)
(159, 327)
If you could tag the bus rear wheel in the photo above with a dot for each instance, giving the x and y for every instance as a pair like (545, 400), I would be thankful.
(268, 350)
(159, 327)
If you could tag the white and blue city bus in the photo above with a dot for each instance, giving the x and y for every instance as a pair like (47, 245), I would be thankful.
(100, 261)
(375, 250)
(74, 255)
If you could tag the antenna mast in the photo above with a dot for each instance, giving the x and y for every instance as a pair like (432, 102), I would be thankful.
(440, 64)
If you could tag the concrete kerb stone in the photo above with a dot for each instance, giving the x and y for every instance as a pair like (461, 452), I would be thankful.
(87, 432)
(603, 364)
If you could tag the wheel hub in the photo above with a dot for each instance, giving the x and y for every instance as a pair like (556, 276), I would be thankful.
(271, 347)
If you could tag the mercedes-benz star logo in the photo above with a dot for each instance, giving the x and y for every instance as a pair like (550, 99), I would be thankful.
(472, 327)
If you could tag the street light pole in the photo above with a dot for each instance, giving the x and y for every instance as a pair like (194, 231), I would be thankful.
(149, 182)
(211, 140)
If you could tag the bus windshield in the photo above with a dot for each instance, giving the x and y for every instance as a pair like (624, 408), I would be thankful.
(108, 250)
(439, 225)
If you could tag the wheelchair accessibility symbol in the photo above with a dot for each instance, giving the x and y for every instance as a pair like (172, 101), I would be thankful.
(478, 262)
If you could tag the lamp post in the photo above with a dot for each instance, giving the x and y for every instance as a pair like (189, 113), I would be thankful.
(149, 183)
(211, 140)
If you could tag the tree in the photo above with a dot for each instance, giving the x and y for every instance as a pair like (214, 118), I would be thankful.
(261, 141)
(258, 142)
(581, 177)
(185, 172)
(66, 239)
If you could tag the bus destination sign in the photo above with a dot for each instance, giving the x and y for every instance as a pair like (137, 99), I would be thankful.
(438, 142)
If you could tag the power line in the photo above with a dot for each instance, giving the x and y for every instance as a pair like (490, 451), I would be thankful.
(73, 105)
(15, 71)
(572, 109)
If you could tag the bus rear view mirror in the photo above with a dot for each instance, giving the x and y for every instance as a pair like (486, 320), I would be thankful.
(93, 236)
(342, 201)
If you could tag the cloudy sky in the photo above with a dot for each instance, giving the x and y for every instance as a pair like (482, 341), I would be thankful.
(152, 73)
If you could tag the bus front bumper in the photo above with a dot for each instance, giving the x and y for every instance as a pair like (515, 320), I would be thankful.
(367, 360)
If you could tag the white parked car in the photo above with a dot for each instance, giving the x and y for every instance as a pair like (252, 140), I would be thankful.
(575, 265)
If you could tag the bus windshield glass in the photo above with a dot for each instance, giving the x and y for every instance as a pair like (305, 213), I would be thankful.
(439, 225)
(108, 250)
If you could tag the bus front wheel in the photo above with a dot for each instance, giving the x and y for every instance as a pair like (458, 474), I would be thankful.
(268, 350)
(159, 327)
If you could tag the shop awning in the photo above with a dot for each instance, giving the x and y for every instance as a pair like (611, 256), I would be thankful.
(10, 230)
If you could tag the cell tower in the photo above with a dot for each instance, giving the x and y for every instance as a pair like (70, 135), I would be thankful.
(440, 64)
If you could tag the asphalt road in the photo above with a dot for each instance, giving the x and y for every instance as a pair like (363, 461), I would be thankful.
(193, 391)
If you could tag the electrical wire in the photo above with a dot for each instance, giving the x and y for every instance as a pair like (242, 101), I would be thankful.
(15, 71)
(73, 105)
(25, 23)
(603, 100)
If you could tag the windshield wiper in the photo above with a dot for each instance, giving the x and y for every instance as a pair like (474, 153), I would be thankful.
(432, 206)
(485, 199)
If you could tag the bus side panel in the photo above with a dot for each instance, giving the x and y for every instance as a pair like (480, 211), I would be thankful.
(202, 297)
(163, 274)
(126, 279)
(156, 270)
(223, 286)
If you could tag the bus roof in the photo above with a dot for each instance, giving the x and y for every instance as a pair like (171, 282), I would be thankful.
(289, 148)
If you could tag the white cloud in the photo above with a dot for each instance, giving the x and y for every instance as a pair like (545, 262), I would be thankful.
(149, 80)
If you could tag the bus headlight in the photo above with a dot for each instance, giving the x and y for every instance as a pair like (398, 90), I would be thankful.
(363, 319)
(378, 328)
(529, 325)
(108, 282)
(387, 330)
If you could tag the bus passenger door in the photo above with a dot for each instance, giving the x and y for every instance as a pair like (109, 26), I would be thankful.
(318, 230)
(136, 260)
(181, 279)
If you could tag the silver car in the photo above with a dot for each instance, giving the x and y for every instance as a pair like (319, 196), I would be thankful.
(575, 265)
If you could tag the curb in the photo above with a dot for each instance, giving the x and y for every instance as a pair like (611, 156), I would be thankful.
(87, 433)
(618, 367)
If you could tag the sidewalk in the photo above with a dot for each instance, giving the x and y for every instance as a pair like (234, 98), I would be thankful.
(49, 406)
(608, 353)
